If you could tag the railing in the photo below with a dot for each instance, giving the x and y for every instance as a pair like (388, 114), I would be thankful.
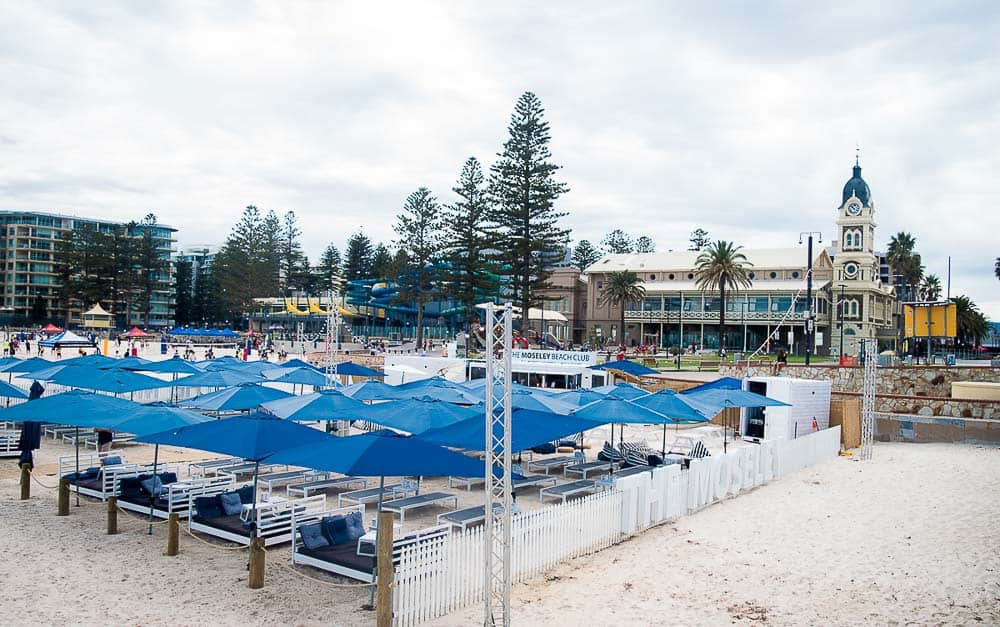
(732, 317)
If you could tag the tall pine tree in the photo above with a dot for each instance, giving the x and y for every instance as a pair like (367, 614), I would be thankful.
(358, 257)
(291, 261)
(472, 276)
(183, 296)
(584, 255)
(524, 191)
(418, 227)
(382, 262)
(328, 271)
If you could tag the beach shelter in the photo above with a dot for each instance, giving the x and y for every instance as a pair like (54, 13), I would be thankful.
(625, 391)
(370, 390)
(626, 366)
(672, 405)
(174, 365)
(128, 363)
(527, 428)
(710, 401)
(416, 415)
(322, 405)
(723, 383)
(254, 438)
(7, 361)
(579, 397)
(66, 339)
(32, 364)
(242, 397)
(300, 376)
(113, 380)
(136, 332)
(522, 399)
(437, 388)
(11, 391)
(51, 328)
(217, 379)
(95, 361)
(298, 363)
(351, 369)
(97, 318)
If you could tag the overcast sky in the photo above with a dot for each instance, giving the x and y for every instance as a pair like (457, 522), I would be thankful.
(739, 119)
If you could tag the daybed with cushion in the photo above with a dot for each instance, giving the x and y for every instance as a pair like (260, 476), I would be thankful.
(176, 497)
(103, 480)
(335, 541)
(8, 443)
(233, 515)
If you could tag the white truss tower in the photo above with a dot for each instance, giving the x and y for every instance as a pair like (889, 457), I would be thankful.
(868, 398)
(496, 570)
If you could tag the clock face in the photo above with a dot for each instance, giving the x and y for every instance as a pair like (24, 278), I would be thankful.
(851, 269)
(853, 209)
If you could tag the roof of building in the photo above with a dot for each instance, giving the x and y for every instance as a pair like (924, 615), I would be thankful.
(684, 260)
(856, 186)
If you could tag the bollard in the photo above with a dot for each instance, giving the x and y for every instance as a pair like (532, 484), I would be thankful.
(256, 577)
(63, 499)
(112, 515)
(173, 534)
(25, 482)
(383, 589)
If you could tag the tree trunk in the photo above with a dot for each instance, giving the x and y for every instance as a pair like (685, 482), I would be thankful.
(621, 332)
(722, 314)
(420, 323)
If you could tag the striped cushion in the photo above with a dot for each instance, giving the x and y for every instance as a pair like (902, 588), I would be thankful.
(637, 453)
(609, 454)
(699, 450)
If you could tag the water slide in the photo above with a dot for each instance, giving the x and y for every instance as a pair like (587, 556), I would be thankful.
(292, 309)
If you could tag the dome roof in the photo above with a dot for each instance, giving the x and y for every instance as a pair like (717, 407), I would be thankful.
(856, 186)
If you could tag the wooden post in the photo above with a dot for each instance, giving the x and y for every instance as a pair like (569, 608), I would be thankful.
(63, 498)
(383, 589)
(173, 533)
(25, 482)
(112, 515)
(256, 578)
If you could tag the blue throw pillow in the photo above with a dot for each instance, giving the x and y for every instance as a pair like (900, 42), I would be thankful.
(231, 503)
(130, 487)
(153, 486)
(355, 526)
(208, 506)
(168, 477)
(246, 494)
(312, 536)
(335, 529)
(111, 461)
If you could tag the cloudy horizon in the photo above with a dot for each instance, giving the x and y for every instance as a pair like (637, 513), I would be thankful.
(739, 120)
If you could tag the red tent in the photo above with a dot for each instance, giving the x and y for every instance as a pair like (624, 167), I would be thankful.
(137, 332)
(51, 328)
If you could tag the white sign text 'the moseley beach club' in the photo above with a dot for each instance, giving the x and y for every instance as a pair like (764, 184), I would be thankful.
(555, 357)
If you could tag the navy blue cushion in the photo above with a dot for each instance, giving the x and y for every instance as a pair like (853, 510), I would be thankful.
(168, 477)
(312, 536)
(246, 494)
(153, 486)
(130, 487)
(231, 503)
(111, 460)
(544, 449)
(335, 529)
(355, 526)
(208, 506)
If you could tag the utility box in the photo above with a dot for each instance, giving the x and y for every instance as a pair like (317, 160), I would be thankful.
(808, 408)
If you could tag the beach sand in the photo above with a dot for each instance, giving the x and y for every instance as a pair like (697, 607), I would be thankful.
(910, 537)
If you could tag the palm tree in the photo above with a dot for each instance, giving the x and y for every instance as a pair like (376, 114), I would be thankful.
(620, 289)
(902, 258)
(972, 324)
(996, 268)
(930, 289)
(721, 267)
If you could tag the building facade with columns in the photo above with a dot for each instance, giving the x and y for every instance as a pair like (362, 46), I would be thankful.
(773, 312)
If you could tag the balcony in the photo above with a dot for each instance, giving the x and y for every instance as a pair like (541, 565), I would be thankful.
(712, 317)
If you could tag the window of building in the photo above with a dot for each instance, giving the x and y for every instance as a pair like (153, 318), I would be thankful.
(672, 303)
(670, 276)
(690, 275)
(773, 275)
(652, 277)
(752, 275)
(795, 274)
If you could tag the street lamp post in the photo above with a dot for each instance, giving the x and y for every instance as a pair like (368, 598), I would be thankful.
(841, 354)
(810, 330)
(743, 316)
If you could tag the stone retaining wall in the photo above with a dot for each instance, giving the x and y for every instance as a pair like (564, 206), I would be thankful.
(930, 406)
(911, 428)
(932, 381)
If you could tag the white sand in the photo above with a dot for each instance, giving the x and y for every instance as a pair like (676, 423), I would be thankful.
(909, 537)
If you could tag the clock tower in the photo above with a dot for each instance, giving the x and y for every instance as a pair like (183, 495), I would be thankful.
(863, 302)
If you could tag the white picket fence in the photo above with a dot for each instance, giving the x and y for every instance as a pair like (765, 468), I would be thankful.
(435, 578)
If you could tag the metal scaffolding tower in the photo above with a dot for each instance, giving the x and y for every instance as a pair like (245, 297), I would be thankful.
(496, 571)
(870, 350)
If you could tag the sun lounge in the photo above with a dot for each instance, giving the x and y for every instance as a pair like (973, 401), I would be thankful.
(198, 469)
(552, 462)
(8, 443)
(468, 482)
(269, 480)
(462, 518)
(104, 480)
(231, 516)
(56, 432)
(631, 471)
(563, 491)
(242, 468)
(305, 487)
(116, 438)
(526, 481)
(333, 541)
(177, 496)
(400, 506)
(370, 495)
(586, 468)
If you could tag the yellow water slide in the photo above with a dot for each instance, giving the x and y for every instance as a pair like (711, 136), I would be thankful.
(292, 309)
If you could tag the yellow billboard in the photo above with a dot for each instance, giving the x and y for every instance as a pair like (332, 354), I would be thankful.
(943, 320)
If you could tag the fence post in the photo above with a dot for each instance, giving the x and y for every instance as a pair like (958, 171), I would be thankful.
(25, 482)
(173, 533)
(112, 515)
(62, 500)
(383, 583)
(256, 578)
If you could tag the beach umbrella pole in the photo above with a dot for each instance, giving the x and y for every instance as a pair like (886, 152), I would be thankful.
(152, 499)
(378, 533)
(76, 444)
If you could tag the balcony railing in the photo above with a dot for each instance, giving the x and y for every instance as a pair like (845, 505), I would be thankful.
(713, 316)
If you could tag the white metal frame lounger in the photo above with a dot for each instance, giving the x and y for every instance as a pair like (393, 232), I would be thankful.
(400, 505)
(370, 495)
(526, 481)
(465, 481)
(552, 462)
(197, 469)
(269, 480)
(563, 491)
(462, 518)
(305, 487)
(586, 468)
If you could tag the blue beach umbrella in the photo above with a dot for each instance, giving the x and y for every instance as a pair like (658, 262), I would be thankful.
(618, 410)
(300, 375)
(370, 390)
(436, 388)
(217, 379)
(112, 380)
(579, 397)
(527, 428)
(628, 367)
(11, 391)
(241, 397)
(710, 401)
(128, 363)
(522, 399)
(351, 369)
(298, 363)
(174, 365)
(94, 361)
(27, 365)
(417, 415)
(322, 405)
(625, 391)
(672, 405)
